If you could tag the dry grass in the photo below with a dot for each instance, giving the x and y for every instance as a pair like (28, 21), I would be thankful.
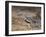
(20, 25)
(18, 19)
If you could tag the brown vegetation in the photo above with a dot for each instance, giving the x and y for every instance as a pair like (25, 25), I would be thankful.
(26, 18)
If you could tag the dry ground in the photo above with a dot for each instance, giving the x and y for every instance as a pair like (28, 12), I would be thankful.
(20, 20)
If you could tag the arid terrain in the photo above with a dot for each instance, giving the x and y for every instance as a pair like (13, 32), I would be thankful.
(26, 18)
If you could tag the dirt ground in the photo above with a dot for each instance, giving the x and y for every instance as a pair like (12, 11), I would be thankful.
(26, 18)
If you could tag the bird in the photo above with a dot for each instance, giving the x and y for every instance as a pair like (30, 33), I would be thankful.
(30, 19)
